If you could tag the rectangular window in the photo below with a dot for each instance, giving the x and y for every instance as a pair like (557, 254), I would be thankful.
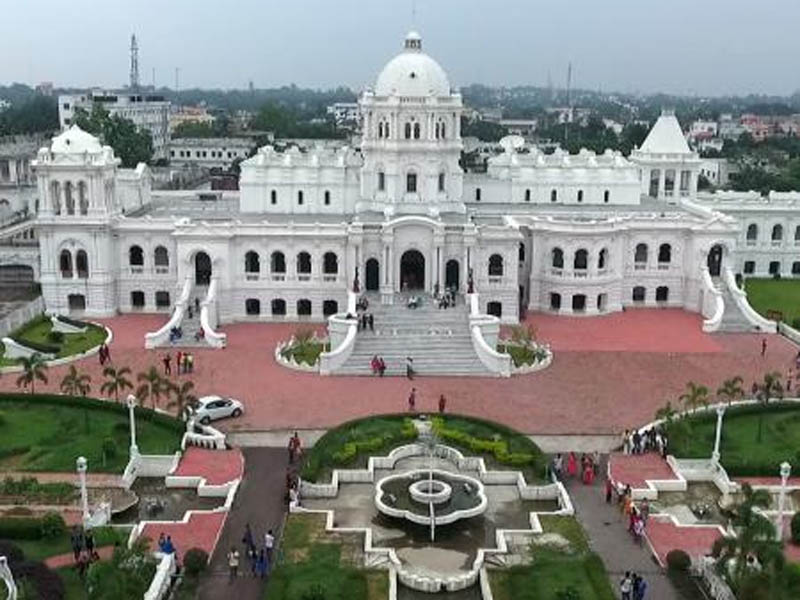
(411, 183)
(477, 194)
(381, 181)
(749, 267)
(774, 267)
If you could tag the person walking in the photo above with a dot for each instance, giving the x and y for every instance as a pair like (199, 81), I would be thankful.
(261, 564)
(269, 545)
(412, 400)
(442, 404)
(609, 490)
(167, 360)
(88, 541)
(409, 367)
(763, 347)
(76, 541)
(247, 540)
(626, 586)
(558, 465)
(233, 564)
(179, 361)
(639, 588)
(371, 321)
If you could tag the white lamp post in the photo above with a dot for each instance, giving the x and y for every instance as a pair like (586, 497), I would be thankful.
(786, 470)
(134, 450)
(720, 413)
(81, 465)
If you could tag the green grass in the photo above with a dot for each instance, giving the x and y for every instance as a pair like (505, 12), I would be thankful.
(741, 453)
(551, 571)
(383, 432)
(73, 586)
(311, 559)
(45, 548)
(775, 294)
(48, 433)
(38, 329)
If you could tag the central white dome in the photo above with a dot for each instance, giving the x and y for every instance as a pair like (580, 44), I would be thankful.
(412, 73)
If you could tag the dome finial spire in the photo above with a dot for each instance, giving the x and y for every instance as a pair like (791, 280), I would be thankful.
(413, 42)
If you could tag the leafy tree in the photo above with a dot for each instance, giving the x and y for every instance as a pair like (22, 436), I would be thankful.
(768, 389)
(285, 122)
(76, 383)
(217, 128)
(116, 381)
(127, 575)
(33, 368)
(731, 390)
(695, 396)
(151, 386)
(485, 131)
(131, 145)
(182, 397)
(36, 113)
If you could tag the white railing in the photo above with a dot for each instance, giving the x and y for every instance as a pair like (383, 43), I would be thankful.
(159, 586)
(160, 337)
(341, 330)
(208, 437)
(713, 305)
(719, 590)
(740, 298)
(496, 362)
(208, 312)
(21, 315)
(789, 332)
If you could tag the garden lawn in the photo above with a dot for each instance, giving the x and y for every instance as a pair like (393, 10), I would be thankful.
(311, 559)
(775, 294)
(39, 436)
(38, 329)
(45, 548)
(741, 453)
(73, 585)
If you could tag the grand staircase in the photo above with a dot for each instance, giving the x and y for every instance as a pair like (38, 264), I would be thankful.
(733, 320)
(438, 340)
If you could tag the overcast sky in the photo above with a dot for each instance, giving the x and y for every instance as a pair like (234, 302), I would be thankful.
(683, 46)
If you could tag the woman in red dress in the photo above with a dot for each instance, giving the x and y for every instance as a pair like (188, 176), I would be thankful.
(572, 465)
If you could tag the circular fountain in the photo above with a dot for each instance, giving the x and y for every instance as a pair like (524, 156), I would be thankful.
(430, 491)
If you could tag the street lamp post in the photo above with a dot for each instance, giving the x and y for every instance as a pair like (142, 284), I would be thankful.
(786, 470)
(81, 466)
(715, 454)
(134, 450)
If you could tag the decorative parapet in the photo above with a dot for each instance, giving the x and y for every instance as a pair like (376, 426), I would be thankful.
(64, 327)
(484, 330)
(159, 586)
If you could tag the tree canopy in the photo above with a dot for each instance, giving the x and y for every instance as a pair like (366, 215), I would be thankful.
(131, 144)
(35, 114)
(287, 122)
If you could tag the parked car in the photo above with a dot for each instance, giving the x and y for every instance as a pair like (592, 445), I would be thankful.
(211, 408)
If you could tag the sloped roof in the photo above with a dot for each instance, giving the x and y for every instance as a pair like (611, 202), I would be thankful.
(666, 137)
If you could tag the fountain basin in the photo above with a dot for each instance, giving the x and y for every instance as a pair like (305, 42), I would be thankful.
(411, 495)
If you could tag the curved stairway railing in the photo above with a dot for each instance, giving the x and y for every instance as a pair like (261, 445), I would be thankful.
(341, 330)
(482, 326)
(161, 337)
(740, 298)
(713, 304)
(208, 317)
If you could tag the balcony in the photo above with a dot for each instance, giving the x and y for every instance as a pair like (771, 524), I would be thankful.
(663, 266)
(251, 276)
(303, 277)
(278, 277)
(82, 274)
(137, 270)
(66, 274)
(557, 272)
(580, 273)
(777, 243)
(639, 266)
(162, 270)
(495, 279)
(330, 278)
(752, 242)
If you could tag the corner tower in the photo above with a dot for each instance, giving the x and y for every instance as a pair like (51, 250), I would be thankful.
(411, 138)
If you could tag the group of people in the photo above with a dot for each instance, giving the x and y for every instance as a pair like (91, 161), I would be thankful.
(104, 354)
(175, 334)
(165, 545)
(412, 401)
(259, 559)
(589, 466)
(378, 365)
(295, 448)
(184, 363)
(292, 495)
(447, 299)
(83, 548)
(653, 439)
(632, 586)
(637, 516)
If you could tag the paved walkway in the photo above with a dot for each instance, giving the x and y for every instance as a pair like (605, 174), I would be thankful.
(260, 502)
(610, 539)
(68, 559)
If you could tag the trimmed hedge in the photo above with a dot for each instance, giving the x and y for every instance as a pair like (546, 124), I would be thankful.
(370, 445)
(31, 490)
(49, 526)
(678, 560)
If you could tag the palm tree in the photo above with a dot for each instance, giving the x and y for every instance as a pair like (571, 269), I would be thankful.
(152, 386)
(76, 383)
(694, 396)
(116, 381)
(182, 396)
(33, 368)
(768, 389)
(731, 389)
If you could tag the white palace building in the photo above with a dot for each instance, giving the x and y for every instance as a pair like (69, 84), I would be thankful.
(578, 233)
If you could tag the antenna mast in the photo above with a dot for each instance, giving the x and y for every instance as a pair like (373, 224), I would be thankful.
(568, 120)
(134, 82)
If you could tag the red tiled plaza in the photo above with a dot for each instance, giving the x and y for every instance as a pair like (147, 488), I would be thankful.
(609, 373)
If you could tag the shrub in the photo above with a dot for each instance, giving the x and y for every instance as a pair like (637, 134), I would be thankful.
(497, 447)
(716, 547)
(48, 583)
(678, 560)
(568, 593)
(195, 561)
(796, 323)
(109, 447)
(3, 420)
(11, 551)
(32, 528)
(795, 526)
(53, 525)
(314, 592)
(56, 337)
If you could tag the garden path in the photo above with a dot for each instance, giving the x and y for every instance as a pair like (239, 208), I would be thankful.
(259, 502)
(68, 559)
(610, 539)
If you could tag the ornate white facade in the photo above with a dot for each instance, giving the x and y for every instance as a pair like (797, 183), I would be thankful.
(577, 234)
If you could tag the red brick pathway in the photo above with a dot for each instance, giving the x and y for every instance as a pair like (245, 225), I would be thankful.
(695, 540)
(636, 469)
(200, 531)
(609, 373)
(217, 466)
(68, 559)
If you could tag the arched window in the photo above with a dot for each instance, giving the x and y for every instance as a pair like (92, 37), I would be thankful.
(444, 134)
(580, 195)
(161, 257)
(441, 182)
(300, 197)
(252, 307)
(495, 265)
(639, 294)
(752, 232)
(380, 129)
(411, 183)
(602, 259)
(82, 264)
(135, 256)
(557, 258)
(521, 253)
(330, 307)
(273, 197)
(330, 263)
(386, 131)
(797, 234)
(640, 254)
(381, 181)
(606, 196)
(527, 195)
(278, 307)
(55, 197)
(252, 263)
(69, 201)
(495, 309)
(553, 195)
(664, 253)
(277, 262)
(477, 194)
(416, 131)
(304, 263)
(65, 263)
(436, 130)
(83, 200)
(407, 131)
(662, 293)
(327, 197)
(777, 233)
(581, 260)
(304, 307)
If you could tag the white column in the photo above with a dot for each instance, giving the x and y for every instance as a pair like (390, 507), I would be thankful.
(134, 450)
(81, 466)
(715, 454)
(786, 470)
(662, 178)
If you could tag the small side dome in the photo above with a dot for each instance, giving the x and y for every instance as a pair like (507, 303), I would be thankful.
(75, 141)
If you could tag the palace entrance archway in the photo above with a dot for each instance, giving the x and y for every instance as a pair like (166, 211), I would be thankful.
(451, 274)
(412, 270)
(715, 260)
(372, 278)
(202, 269)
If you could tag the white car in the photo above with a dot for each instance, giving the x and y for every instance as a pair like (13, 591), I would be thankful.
(211, 408)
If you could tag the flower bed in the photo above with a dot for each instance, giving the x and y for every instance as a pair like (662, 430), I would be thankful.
(38, 335)
(28, 490)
